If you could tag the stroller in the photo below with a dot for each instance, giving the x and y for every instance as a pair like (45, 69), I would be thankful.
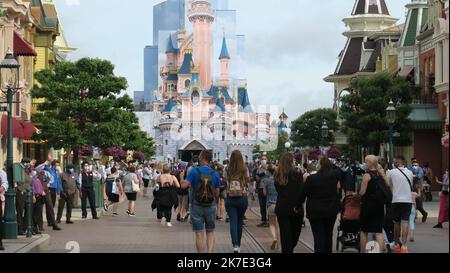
(349, 227)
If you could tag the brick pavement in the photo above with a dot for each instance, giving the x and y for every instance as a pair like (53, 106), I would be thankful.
(427, 239)
(142, 234)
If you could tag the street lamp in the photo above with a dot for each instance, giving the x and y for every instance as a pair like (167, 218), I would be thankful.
(9, 82)
(391, 116)
(325, 130)
(287, 145)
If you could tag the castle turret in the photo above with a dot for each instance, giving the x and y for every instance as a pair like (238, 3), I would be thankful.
(201, 15)
(224, 61)
(171, 53)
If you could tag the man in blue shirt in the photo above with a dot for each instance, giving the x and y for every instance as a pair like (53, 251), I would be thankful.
(203, 214)
(55, 185)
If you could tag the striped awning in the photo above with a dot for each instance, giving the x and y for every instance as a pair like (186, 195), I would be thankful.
(426, 117)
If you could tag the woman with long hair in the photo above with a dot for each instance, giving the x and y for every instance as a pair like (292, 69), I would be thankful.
(372, 204)
(323, 205)
(236, 203)
(289, 184)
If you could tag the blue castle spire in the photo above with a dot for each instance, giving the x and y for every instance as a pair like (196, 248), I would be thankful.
(224, 54)
(170, 48)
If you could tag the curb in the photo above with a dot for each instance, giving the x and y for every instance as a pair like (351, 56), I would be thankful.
(36, 245)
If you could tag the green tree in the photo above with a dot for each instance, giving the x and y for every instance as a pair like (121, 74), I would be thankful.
(364, 111)
(83, 107)
(283, 137)
(307, 129)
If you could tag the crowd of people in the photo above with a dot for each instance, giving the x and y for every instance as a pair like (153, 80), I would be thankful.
(204, 191)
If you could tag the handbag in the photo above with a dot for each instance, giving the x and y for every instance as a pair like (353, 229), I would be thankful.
(115, 189)
(352, 208)
(135, 187)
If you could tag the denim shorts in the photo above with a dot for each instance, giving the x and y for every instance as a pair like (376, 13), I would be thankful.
(203, 218)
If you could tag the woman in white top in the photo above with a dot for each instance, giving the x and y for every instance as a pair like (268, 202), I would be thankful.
(131, 189)
(166, 197)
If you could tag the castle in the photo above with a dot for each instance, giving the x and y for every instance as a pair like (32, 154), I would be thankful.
(192, 112)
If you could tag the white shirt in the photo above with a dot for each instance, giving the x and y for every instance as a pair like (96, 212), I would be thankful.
(3, 180)
(401, 188)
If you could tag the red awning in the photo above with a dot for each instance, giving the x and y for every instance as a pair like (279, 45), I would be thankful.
(28, 130)
(17, 127)
(22, 48)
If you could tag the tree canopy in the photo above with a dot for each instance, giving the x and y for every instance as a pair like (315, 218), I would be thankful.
(82, 106)
(307, 129)
(364, 110)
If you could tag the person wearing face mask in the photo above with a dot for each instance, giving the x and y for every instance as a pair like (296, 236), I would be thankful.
(418, 174)
(98, 166)
(69, 181)
(54, 168)
(86, 187)
(23, 185)
(47, 179)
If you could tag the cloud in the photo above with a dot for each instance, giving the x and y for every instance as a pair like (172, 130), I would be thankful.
(291, 44)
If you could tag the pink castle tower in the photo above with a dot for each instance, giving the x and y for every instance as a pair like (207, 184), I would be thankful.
(224, 60)
(201, 15)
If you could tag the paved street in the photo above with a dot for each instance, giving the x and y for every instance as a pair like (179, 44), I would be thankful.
(428, 239)
(144, 234)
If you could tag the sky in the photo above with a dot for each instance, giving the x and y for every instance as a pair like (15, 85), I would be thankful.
(291, 44)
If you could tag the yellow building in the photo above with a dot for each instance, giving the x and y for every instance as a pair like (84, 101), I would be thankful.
(51, 47)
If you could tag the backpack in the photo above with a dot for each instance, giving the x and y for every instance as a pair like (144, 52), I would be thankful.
(382, 193)
(204, 196)
(235, 188)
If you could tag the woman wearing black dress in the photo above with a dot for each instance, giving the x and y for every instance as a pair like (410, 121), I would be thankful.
(372, 205)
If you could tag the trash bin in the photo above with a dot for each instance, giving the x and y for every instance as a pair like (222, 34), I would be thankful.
(98, 186)
(359, 179)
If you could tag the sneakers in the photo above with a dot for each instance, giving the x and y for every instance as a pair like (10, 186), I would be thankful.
(132, 214)
(424, 218)
(397, 249)
(55, 227)
(169, 224)
(105, 207)
(438, 225)
(115, 214)
(236, 250)
(69, 222)
(163, 222)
